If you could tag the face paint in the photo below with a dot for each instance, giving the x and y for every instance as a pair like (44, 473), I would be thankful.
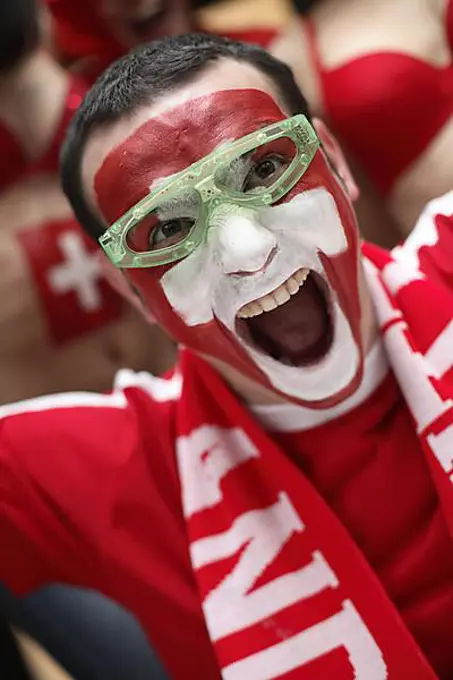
(248, 255)
(64, 264)
(171, 142)
(104, 28)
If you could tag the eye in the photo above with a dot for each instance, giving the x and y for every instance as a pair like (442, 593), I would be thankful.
(167, 225)
(170, 233)
(265, 172)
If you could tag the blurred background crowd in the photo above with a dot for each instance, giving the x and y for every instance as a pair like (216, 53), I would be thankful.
(380, 72)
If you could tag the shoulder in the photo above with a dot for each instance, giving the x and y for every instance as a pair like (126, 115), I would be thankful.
(441, 8)
(442, 11)
(136, 399)
(69, 442)
(296, 47)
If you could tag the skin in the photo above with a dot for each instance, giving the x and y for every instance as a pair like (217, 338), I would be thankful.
(416, 29)
(33, 358)
(121, 162)
(25, 106)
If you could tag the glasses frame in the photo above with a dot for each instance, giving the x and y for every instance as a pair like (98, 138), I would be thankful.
(201, 177)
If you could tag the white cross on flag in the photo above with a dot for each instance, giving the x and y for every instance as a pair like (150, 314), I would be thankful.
(74, 296)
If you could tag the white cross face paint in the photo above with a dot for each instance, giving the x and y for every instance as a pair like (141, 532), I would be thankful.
(249, 255)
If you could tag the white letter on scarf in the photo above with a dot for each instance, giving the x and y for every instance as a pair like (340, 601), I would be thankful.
(233, 604)
(205, 457)
(344, 629)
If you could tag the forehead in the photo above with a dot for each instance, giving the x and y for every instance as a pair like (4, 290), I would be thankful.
(123, 160)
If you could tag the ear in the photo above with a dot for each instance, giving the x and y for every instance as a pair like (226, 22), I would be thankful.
(119, 282)
(336, 157)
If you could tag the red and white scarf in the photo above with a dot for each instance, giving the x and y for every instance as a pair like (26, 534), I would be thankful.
(285, 591)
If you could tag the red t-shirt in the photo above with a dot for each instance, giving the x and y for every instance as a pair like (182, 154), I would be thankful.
(369, 466)
(89, 495)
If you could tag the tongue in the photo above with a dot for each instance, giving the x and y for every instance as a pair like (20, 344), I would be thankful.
(298, 331)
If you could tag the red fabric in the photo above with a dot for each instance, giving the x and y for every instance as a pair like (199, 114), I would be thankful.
(74, 297)
(80, 35)
(259, 36)
(403, 535)
(80, 31)
(100, 501)
(386, 106)
(126, 537)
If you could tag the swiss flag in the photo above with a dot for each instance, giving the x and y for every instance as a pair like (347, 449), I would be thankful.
(75, 297)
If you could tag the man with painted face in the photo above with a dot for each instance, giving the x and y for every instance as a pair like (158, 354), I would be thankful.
(281, 505)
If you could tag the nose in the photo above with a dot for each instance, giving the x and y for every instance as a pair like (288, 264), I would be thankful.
(243, 245)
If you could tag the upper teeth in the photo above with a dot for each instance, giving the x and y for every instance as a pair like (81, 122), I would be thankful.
(277, 297)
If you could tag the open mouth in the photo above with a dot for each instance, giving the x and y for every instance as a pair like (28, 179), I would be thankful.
(292, 324)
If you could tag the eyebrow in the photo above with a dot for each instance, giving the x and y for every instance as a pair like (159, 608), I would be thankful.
(178, 201)
(156, 183)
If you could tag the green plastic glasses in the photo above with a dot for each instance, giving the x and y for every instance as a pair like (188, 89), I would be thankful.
(174, 219)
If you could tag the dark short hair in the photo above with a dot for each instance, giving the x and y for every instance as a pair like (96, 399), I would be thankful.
(19, 31)
(145, 74)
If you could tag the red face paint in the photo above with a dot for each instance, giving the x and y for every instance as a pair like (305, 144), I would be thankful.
(103, 28)
(73, 294)
(173, 141)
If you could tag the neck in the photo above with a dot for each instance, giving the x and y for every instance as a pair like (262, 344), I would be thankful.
(32, 96)
(245, 388)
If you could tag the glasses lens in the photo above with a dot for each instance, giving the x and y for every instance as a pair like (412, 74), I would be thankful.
(257, 170)
(167, 225)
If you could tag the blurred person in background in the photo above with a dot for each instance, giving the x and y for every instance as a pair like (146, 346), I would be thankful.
(64, 327)
(89, 34)
(61, 324)
(381, 73)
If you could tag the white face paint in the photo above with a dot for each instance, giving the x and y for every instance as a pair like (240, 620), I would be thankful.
(248, 254)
